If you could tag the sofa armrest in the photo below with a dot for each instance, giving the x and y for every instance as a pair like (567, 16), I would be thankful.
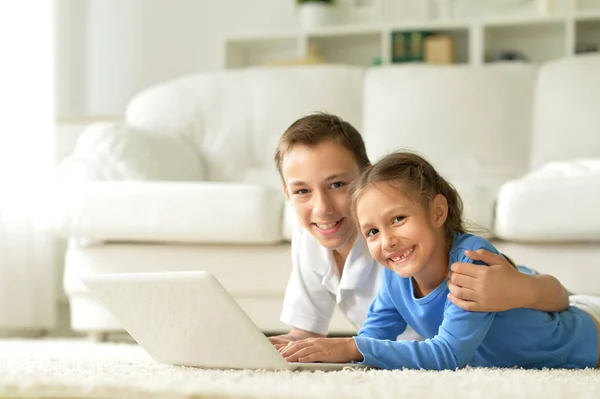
(189, 212)
(555, 203)
(112, 151)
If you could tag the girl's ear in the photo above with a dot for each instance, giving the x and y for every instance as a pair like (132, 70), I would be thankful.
(439, 208)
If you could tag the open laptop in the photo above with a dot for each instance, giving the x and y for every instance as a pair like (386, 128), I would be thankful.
(189, 319)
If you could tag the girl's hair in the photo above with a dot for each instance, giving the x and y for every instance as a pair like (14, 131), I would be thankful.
(318, 127)
(411, 172)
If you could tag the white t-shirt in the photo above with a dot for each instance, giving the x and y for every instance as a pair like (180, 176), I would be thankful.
(315, 288)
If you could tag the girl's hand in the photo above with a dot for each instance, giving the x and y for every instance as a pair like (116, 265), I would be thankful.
(496, 288)
(295, 334)
(325, 350)
(281, 340)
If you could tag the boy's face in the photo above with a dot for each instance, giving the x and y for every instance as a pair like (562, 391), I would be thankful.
(400, 233)
(317, 183)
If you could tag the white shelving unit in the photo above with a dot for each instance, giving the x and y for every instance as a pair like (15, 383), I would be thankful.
(538, 38)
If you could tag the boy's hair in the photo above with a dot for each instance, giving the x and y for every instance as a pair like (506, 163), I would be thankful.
(411, 172)
(316, 128)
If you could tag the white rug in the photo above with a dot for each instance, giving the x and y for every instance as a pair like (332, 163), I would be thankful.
(78, 368)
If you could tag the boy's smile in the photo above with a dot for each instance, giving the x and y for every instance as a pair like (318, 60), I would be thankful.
(317, 181)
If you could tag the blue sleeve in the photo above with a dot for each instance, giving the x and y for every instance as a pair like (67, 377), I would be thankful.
(383, 320)
(458, 338)
(528, 271)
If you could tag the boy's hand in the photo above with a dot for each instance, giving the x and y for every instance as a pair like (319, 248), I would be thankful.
(326, 350)
(496, 288)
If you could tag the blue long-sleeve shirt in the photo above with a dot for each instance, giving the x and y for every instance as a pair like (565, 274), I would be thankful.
(456, 338)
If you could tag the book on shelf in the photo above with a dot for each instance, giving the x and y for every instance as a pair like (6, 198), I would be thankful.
(421, 46)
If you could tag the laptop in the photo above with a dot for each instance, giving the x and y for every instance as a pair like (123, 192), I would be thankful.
(189, 319)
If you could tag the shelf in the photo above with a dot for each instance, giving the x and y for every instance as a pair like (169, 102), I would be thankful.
(539, 38)
(592, 15)
(242, 53)
(459, 36)
(538, 41)
(429, 26)
(524, 21)
(352, 49)
(262, 37)
(587, 35)
(588, 6)
(342, 30)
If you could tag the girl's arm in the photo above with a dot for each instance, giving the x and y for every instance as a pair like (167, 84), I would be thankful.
(383, 320)
(383, 323)
(502, 287)
(459, 336)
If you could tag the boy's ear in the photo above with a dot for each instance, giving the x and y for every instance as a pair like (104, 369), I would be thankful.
(285, 191)
(439, 207)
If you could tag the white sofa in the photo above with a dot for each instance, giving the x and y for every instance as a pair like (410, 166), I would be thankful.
(187, 181)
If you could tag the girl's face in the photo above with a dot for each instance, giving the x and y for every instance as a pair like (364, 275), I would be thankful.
(317, 181)
(400, 233)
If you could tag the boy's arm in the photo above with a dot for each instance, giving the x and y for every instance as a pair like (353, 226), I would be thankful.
(307, 305)
(501, 287)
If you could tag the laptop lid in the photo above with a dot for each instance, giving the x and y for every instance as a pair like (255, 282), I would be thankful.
(185, 318)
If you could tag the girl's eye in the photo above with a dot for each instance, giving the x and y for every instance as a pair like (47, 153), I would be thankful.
(398, 219)
(372, 232)
(337, 184)
(302, 191)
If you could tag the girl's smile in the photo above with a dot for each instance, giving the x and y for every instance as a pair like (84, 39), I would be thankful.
(404, 236)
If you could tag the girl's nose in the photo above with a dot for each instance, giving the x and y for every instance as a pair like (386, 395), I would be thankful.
(389, 242)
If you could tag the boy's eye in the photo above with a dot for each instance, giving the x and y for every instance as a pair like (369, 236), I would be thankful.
(337, 184)
(372, 232)
(398, 219)
(301, 191)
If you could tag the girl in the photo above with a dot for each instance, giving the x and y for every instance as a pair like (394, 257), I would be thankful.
(318, 157)
(412, 221)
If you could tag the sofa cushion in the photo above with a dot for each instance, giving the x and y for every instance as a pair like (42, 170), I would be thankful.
(114, 151)
(200, 212)
(210, 109)
(472, 123)
(279, 96)
(479, 201)
(566, 118)
(237, 116)
(558, 202)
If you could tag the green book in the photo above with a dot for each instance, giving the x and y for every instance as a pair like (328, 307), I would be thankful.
(408, 46)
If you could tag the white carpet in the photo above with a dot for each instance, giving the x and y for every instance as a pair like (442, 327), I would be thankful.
(77, 368)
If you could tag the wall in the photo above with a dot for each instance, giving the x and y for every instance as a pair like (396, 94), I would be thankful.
(108, 50)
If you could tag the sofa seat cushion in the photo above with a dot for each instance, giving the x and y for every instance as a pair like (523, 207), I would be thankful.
(199, 212)
(558, 202)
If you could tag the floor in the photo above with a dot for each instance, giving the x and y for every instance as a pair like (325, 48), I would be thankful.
(80, 368)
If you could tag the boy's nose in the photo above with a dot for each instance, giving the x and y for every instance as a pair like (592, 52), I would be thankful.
(322, 205)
